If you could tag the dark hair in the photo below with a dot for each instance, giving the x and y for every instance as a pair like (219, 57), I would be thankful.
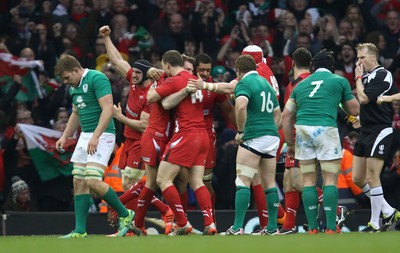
(173, 57)
(245, 63)
(324, 59)
(202, 58)
(302, 58)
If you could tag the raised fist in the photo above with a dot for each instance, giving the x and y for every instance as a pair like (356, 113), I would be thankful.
(105, 31)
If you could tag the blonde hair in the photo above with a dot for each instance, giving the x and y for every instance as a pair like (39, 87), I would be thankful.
(371, 48)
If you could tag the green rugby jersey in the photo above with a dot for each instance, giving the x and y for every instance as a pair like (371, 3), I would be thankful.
(318, 98)
(93, 86)
(260, 109)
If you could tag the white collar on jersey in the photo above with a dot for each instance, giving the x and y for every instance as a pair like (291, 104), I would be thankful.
(83, 75)
(323, 70)
(249, 73)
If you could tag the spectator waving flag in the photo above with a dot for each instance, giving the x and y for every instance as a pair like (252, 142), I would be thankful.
(41, 145)
(10, 66)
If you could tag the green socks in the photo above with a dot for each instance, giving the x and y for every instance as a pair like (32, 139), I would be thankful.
(310, 202)
(81, 207)
(273, 204)
(111, 198)
(330, 202)
(242, 201)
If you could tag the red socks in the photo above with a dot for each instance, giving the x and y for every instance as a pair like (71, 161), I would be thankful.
(292, 200)
(261, 204)
(171, 195)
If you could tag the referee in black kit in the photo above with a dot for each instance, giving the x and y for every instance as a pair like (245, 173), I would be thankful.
(375, 141)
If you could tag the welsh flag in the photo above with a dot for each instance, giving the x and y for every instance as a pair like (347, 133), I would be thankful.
(11, 65)
(41, 144)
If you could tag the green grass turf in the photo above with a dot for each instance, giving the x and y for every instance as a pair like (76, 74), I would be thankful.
(343, 243)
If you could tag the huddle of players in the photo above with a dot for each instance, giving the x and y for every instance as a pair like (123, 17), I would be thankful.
(178, 101)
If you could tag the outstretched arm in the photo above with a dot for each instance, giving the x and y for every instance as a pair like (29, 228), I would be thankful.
(112, 52)
(222, 88)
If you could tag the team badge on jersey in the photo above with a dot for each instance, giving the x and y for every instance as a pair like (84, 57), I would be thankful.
(85, 87)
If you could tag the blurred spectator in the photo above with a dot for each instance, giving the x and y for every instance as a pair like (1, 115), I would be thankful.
(174, 36)
(377, 38)
(190, 47)
(391, 31)
(43, 48)
(346, 62)
(206, 25)
(298, 8)
(396, 115)
(159, 25)
(60, 13)
(20, 198)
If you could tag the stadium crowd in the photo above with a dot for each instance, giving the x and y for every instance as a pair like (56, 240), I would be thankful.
(39, 32)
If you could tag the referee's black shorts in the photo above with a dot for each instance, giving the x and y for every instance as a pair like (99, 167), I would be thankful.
(376, 143)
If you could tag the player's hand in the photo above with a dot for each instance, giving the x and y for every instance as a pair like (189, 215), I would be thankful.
(92, 145)
(105, 31)
(117, 111)
(60, 144)
(356, 123)
(380, 100)
(191, 88)
(198, 83)
(154, 73)
(290, 152)
(239, 137)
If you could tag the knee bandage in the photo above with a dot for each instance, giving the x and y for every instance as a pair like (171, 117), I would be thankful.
(243, 170)
(78, 172)
(308, 168)
(133, 173)
(330, 167)
(94, 173)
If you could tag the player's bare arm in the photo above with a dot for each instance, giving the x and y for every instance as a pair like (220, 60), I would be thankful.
(288, 119)
(154, 73)
(278, 117)
(173, 100)
(388, 99)
(222, 88)
(152, 96)
(351, 107)
(241, 116)
(138, 125)
(112, 52)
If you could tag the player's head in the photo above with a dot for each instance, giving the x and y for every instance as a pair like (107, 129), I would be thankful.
(69, 69)
(301, 58)
(244, 64)
(255, 52)
(202, 66)
(367, 55)
(140, 69)
(188, 63)
(171, 59)
(324, 59)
